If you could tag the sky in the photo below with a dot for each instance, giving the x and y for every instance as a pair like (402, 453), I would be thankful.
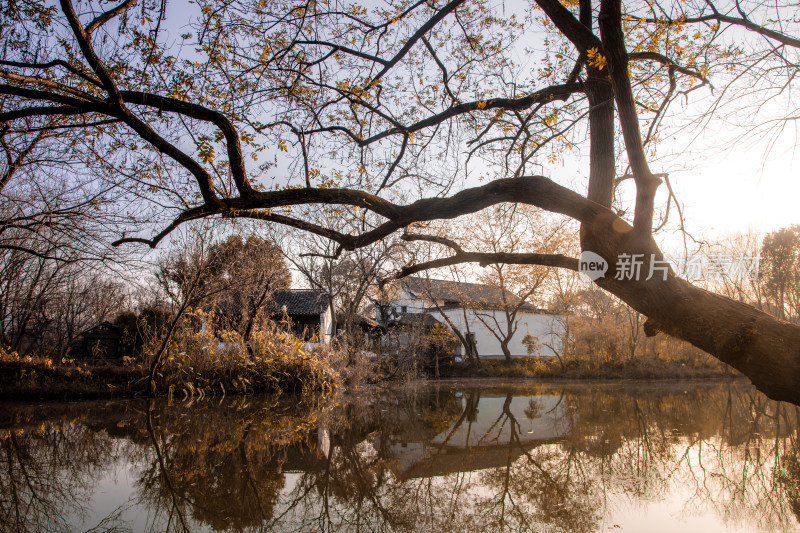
(724, 186)
(741, 190)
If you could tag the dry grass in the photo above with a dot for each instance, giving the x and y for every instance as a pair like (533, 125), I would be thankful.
(201, 363)
(41, 377)
(690, 363)
(197, 364)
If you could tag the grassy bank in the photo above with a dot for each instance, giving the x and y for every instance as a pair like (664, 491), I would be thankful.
(29, 378)
(576, 368)
(34, 378)
(198, 365)
(231, 370)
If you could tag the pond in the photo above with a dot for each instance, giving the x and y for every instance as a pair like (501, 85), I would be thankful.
(448, 456)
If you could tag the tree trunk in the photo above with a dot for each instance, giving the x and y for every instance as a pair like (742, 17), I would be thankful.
(506, 351)
(764, 348)
(161, 350)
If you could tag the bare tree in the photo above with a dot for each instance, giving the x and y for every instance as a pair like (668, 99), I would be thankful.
(46, 303)
(779, 270)
(250, 270)
(373, 109)
(505, 228)
(186, 276)
(349, 277)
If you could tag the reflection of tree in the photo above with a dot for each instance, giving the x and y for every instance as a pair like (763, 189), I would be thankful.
(412, 460)
(358, 487)
(789, 474)
(746, 476)
(47, 471)
(222, 467)
(541, 488)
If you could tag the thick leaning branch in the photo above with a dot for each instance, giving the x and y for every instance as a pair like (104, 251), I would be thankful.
(534, 190)
(484, 259)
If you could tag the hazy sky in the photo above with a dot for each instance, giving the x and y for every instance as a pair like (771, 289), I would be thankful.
(742, 190)
(724, 186)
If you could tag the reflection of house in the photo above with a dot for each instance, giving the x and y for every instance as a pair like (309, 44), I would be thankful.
(493, 432)
(309, 312)
(475, 310)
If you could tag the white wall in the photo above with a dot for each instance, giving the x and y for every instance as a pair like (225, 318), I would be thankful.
(326, 325)
(547, 328)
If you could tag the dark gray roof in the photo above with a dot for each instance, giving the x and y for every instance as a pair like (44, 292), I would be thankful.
(105, 328)
(469, 295)
(301, 302)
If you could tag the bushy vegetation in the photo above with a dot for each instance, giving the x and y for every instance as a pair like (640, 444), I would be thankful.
(203, 361)
(41, 376)
(198, 362)
(609, 348)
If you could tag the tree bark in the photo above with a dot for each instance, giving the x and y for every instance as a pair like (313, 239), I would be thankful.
(506, 351)
(762, 347)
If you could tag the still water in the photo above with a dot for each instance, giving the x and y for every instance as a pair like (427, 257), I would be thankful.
(469, 456)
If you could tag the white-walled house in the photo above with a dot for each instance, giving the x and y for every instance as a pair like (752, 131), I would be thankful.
(475, 310)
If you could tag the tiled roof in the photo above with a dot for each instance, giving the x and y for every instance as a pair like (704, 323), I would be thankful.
(469, 295)
(104, 328)
(301, 301)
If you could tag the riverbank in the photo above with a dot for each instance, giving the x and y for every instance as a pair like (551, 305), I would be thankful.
(36, 378)
(29, 378)
(574, 368)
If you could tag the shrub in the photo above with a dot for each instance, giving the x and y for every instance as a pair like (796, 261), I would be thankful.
(200, 361)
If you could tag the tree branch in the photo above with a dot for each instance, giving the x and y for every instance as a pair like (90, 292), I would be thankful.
(580, 35)
(200, 112)
(617, 57)
(744, 23)
(421, 31)
(534, 190)
(50, 64)
(85, 44)
(147, 133)
(409, 237)
(483, 259)
(108, 15)
(667, 62)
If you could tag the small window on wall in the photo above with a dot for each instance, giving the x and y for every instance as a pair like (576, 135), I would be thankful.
(404, 309)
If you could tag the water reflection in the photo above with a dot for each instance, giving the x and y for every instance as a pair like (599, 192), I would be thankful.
(446, 457)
